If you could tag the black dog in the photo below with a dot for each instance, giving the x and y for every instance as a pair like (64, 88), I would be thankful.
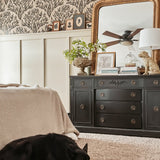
(44, 147)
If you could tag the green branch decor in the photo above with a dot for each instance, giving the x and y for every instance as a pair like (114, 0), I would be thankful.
(82, 49)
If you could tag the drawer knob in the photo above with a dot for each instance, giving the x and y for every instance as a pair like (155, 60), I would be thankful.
(102, 94)
(156, 109)
(101, 107)
(133, 94)
(133, 82)
(133, 121)
(82, 106)
(155, 82)
(82, 83)
(133, 107)
(102, 119)
(101, 83)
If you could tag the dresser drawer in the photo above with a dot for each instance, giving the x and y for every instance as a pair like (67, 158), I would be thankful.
(118, 107)
(82, 83)
(101, 83)
(152, 82)
(118, 121)
(130, 83)
(119, 94)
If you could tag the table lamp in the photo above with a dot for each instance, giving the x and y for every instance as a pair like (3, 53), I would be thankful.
(149, 39)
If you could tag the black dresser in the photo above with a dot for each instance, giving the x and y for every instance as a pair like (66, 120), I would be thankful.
(127, 105)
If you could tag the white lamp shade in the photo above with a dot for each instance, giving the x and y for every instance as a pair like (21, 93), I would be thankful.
(149, 39)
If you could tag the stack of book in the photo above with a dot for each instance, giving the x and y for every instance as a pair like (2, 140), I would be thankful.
(128, 71)
(109, 71)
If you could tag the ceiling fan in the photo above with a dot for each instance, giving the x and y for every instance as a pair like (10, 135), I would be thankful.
(125, 39)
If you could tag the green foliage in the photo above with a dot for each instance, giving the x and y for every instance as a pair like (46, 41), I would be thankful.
(82, 49)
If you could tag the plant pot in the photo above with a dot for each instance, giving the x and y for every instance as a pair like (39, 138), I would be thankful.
(81, 63)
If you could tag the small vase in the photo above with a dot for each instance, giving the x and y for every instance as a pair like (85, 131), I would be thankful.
(81, 63)
(130, 60)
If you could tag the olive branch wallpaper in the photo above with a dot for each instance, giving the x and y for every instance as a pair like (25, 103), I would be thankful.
(33, 16)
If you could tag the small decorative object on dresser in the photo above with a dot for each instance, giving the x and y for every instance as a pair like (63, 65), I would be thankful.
(149, 40)
(82, 62)
(79, 21)
(128, 71)
(56, 26)
(105, 60)
(80, 52)
(110, 71)
(69, 24)
(130, 60)
(151, 67)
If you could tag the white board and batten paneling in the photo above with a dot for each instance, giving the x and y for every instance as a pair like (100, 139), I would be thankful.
(37, 58)
(9, 61)
(32, 62)
(57, 68)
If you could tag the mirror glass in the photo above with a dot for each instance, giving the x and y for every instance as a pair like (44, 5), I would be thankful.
(118, 19)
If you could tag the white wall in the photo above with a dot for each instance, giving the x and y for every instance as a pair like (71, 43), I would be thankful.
(9, 61)
(38, 59)
(32, 61)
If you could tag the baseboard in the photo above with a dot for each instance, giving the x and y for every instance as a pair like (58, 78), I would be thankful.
(117, 131)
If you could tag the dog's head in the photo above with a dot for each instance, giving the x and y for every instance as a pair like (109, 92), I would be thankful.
(81, 154)
(143, 54)
(70, 149)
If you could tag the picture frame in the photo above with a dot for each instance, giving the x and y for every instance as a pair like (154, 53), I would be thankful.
(69, 24)
(62, 27)
(49, 27)
(79, 21)
(88, 25)
(56, 26)
(105, 60)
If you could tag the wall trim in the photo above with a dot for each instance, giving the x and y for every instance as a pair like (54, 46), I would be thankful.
(44, 35)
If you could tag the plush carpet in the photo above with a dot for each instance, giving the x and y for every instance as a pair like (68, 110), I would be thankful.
(114, 147)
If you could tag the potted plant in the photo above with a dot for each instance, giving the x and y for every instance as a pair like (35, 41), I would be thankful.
(80, 52)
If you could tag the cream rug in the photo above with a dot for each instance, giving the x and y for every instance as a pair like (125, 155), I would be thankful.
(115, 147)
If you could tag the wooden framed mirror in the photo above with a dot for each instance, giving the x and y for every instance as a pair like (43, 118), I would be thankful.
(150, 17)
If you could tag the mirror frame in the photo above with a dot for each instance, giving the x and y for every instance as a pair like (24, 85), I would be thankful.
(95, 19)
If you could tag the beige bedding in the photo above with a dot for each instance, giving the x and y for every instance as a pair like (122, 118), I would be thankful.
(27, 111)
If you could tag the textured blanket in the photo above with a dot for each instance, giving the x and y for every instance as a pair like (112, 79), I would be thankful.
(28, 111)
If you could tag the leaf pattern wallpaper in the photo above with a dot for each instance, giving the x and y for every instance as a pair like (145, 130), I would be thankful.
(33, 16)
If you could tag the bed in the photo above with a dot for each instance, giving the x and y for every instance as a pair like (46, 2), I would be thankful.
(27, 111)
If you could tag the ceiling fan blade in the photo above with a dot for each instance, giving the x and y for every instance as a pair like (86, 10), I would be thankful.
(135, 32)
(112, 43)
(135, 40)
(107, 33)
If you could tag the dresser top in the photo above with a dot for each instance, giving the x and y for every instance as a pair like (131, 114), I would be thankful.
(118, 76)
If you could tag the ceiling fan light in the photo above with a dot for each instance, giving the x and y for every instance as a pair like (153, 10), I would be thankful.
(126, 43)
